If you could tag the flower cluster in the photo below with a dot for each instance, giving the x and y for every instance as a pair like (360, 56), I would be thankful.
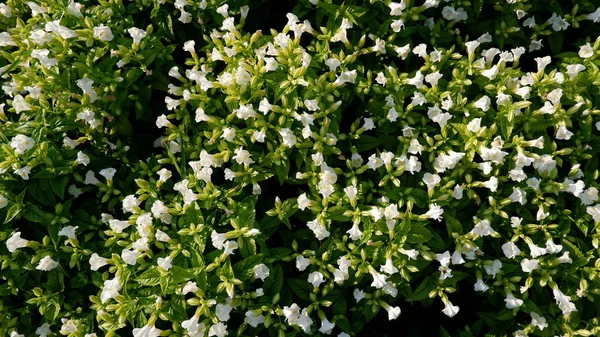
(368, 155)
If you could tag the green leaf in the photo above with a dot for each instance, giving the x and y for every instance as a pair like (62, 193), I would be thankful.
(282, 171)
(301, 288)
(555, 40)
(453, 225)
(339, 308)
(59, 185)
(274, 282)
(13, 211)
(418, 234)
(423, 290)
(366, 143)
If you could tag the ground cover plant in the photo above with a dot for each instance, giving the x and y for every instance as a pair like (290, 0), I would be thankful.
(299, 168)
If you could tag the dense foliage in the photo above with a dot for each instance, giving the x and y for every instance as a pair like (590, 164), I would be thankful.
(264, 168)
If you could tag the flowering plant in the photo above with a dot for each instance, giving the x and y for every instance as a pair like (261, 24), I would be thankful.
(176, 168)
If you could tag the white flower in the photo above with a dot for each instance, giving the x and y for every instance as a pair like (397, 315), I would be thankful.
(318, 229)
(379, 280)
(491, 73)
(565, 258)
(68, 326)
(130, 203)
(254, 318)
(302, 262)
(435, 212)
(146, 331)
(542, 62)
(164, 175)
(358, 295)
(85, 84)
(130, 256)
(529, 265)
(444, 258)
(136, 34)
(510, 250)
(494, 268)
(512, 302)
(218, 330)
(162, 121)
(449, 309)
(389, 267)
(480, 285)
(193, 327)
(393, 312)
(586, 51)
(103, 33)
(261, 271)
(563, 302)
(303, 201)
(289, 139)
(46, 264)
(56, 28)
(574, 69)
(536, 251)
(594, 212)
(552, 248)
(316, 278)
(483, 228)
(271, 64)
(21, 143)
(110, 289)
(82, 159)
(595, 16)
(44, 330)
(229, 247)
(164, 262)
(23, 172)
(96, 262)
(68, 231)
(431, 180)
(15, 242)
(190, 287)
(326, 327)
(243, 157)
(538, 321)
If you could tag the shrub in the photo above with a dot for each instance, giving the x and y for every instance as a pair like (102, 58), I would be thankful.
(186, 168)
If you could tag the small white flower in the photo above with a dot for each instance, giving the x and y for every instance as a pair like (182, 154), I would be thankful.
(15, 242)
(103, 33)
(261, 271)
(450, 310)
(107, 173)
(512, 302)
(96, 262)
(82, 159)
(164, 262)
(130, 256)
(136, 34)
(586, 51)
(21, 143)
(510, 250)
(68, 231)
(46, 264)
(316, 278)
(481, 286)
(302, 262)
(529, 265)
(146, 331)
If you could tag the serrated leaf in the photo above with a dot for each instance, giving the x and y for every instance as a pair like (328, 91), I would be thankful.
(59, 185)
(423, 290)
(453, 225)
(274, 282)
